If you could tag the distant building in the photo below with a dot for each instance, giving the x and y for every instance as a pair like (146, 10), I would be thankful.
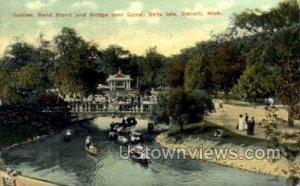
(119, 81)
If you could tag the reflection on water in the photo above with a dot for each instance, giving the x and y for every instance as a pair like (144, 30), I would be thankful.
(69, 164)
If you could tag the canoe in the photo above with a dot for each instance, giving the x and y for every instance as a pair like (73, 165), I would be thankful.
(138, 154)
(91, 151)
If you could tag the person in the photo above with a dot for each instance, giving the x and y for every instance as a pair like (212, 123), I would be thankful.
(150, 127)
(88, 141)
(246, 119)
(220, 104)
(68, 132)
(91, 146)
(240, 125)
(251, 125)
(219, 133)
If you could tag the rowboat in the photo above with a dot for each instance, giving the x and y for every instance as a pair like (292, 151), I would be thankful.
(91, 150)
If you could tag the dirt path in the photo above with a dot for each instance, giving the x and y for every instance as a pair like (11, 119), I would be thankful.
(24, 181)
(228, 118)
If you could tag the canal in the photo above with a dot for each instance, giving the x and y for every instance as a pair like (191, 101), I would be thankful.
(68, 164)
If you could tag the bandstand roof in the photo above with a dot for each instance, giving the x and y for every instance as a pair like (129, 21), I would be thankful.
(119, 77)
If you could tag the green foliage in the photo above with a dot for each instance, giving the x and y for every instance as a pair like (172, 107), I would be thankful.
(271, 126)
(197, 74)
(284, 15)
(288, 87)
(187, 107)
(77, 72)
(159, 113)
(257, 81)
(153, 68)
(176, 74)
(30, 119)
(17, 55)
(227, 67)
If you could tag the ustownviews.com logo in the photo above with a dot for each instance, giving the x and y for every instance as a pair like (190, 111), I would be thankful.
(205, 153)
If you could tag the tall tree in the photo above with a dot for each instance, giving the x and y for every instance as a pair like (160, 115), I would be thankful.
(257, 81)
(176, 74)
(77, 64)
(288, 87)
(227, 67)
(153, 68)
(278, 34)
(197, 74)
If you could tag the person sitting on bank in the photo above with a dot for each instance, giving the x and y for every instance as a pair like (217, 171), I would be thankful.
(219, 133)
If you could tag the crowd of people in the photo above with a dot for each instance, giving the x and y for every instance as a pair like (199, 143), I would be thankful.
(246, 124)
(12, 178)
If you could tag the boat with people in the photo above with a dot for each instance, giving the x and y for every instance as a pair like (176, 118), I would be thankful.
(125, 126)
(139, 154)
(136, 137)
(123, 140)
(89, 147)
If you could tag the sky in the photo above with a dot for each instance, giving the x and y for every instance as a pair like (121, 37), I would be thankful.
(168, 34)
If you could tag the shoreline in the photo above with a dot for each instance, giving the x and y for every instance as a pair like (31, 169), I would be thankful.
(264, 166)
(27, 180)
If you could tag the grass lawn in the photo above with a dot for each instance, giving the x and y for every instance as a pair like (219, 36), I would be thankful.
(194, 130)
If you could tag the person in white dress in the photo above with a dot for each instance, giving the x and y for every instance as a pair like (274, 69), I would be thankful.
(241, 125)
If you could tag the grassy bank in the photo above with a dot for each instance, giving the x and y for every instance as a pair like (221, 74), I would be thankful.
(194, 130)
(193, 137)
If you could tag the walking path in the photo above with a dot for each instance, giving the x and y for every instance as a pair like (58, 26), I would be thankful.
(24, 181)
(228, 117)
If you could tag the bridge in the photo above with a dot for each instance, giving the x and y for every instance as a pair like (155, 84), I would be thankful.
(90, 108)
(89, 115)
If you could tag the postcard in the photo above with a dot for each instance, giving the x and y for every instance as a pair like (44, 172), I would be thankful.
(149, 92)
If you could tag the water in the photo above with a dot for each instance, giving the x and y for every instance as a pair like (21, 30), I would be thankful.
(68, 163)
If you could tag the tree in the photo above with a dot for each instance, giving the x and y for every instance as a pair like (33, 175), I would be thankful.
(177, 106)
(77, 64)
(277, 32)
(18, 54)
(288, 87)
(152, 68)
(187, 107)
(176, 74)
(115, 58)
(257, 81)
(197, 74)
(26, 71)
(279, 18)
(227, 66)
(159, 113)
(271, 125)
